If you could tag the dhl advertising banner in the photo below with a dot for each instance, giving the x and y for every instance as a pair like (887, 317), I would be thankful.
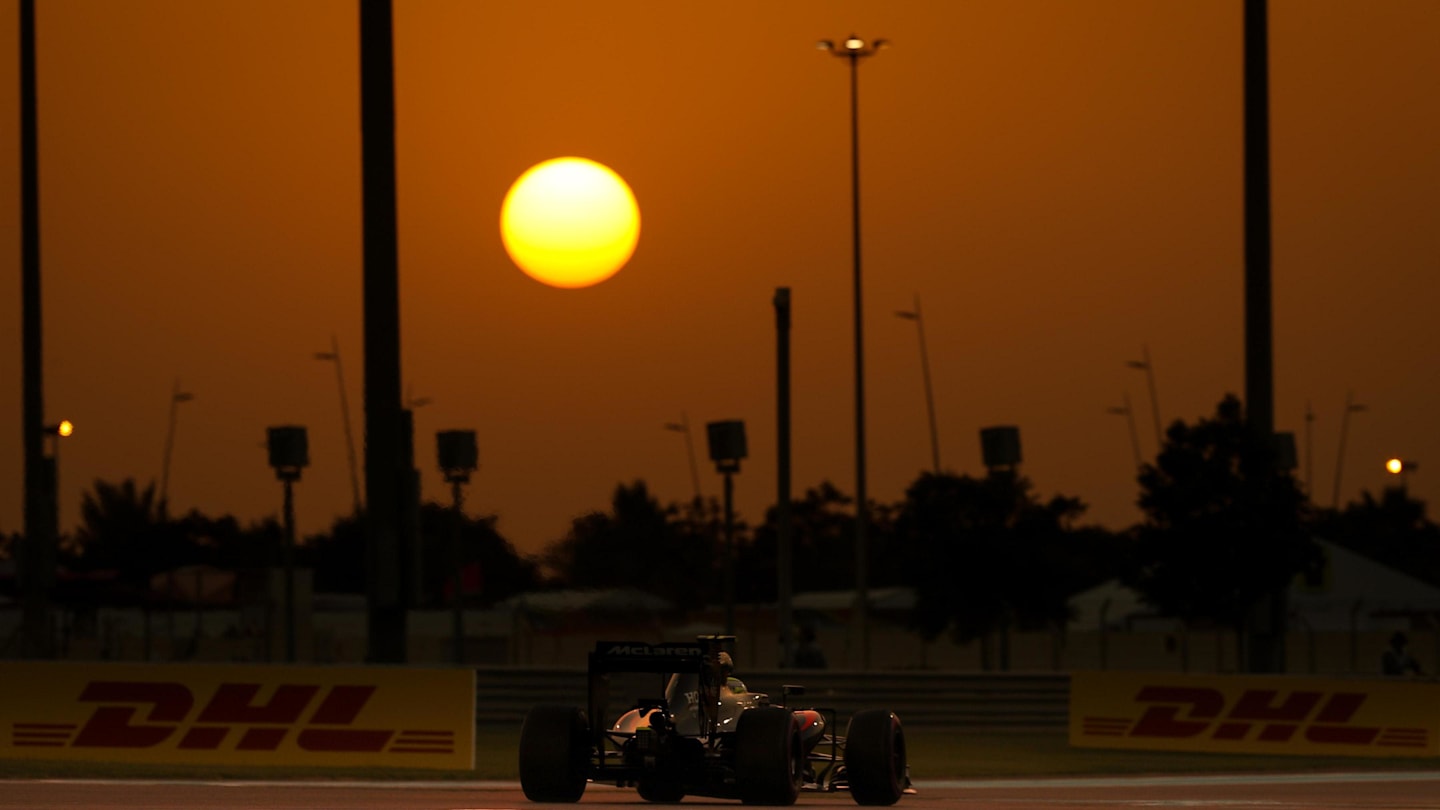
(238, 714)
(1261, 714)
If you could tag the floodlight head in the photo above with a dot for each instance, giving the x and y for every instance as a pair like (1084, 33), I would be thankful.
(727, 444)
(458, 454)
(289, 448)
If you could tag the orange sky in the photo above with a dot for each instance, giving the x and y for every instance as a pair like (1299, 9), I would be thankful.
(1059, 181)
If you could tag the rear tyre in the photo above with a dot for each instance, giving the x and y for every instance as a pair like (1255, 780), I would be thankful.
(875, 757)
(554, 754)
(768, 759)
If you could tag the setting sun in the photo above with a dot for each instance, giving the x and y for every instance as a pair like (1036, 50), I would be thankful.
(570, 222)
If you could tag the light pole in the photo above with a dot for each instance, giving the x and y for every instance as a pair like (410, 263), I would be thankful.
(334, 356)
(37, 564)
(289, 454)
(1129, 414)
(925, 372)
(1149, 369)
(1350, 407)
(727, 449)
(459, 456)
(176, 397)
(785, 553)
(683, 426)
(853, 49)
(1309, 452)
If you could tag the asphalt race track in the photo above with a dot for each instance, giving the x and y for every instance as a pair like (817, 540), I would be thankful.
(1336, 791)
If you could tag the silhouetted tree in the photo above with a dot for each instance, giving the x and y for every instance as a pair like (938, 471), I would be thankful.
(121, 530)
(1223, 526)
(822, 536)
(224, 543)
(637, 544)
(488, 561)
(1391, 529)
(337, 558)
(984, 554)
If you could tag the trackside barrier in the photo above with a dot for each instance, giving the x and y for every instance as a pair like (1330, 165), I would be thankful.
(1255, 714)
(978, 700)
(238, 714)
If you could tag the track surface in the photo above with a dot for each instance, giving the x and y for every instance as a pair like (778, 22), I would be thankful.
(1354, 791)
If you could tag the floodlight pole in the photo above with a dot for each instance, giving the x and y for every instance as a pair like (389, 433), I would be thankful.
(727, 450)
(1266, 651)
(37, 554)
(457, 601)
(919, 320)
(459, 456)
(853, 49)
(729, 474)
(288, 555)
(289, 450)
(334, 356)
(176, 397)
(784, 563)
(385, 475)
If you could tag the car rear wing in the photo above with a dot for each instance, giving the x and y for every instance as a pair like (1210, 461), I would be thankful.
(638, 656)
(701, 656)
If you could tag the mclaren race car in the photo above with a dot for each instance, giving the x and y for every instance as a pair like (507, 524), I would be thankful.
(700, 732)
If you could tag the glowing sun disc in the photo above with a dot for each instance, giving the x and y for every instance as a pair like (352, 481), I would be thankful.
(570, 222)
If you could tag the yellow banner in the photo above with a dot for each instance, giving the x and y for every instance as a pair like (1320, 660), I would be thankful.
(1260, 714)
(238, 714)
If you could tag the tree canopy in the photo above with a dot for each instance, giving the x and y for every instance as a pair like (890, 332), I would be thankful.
(985, 554)
(639, 544)
(1224, 526)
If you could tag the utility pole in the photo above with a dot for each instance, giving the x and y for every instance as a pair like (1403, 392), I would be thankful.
(37, 553)
(1266, 650)
(385, 476)
(786, 554)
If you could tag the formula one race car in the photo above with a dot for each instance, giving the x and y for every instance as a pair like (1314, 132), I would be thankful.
(702, 733)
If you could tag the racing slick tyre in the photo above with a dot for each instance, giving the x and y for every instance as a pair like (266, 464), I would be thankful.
(660, 791)
(769, 762)
(875, 757)
(554, 754)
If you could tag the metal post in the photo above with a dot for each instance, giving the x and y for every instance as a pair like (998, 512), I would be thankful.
(1309, 452)
(457, 608)
(683, 426)
(38, 549)
(176, 397)
(862, 506)
(1350, 407)
(334, 356)
(384, 475)
(729, 554)
(919, 320)
(288, 557)
(459, 455)
(1129, 414)
(1267, 628)
(785, 553)
(1149, 369)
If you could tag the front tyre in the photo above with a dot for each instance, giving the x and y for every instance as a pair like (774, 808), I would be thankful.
(875, 757)
(554, 754)
(768, 759)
